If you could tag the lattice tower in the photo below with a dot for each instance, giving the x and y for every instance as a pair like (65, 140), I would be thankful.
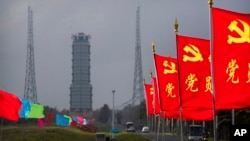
(30, 80)
(138, 79)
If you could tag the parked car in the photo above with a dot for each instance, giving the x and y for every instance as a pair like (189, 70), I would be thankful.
(131, 129)
(145, 129)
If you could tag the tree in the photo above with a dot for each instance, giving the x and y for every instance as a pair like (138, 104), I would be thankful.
(65, 112)
(104, 114)
(118, 116)
(96, 114)
(50, 110)
(143, 110)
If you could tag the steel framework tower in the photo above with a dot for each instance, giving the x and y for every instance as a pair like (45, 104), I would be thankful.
(30, 81)
(138, 79)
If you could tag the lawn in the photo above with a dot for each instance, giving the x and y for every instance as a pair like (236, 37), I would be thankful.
(55, 133)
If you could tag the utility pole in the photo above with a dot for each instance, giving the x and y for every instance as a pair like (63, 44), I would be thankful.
(113, 115)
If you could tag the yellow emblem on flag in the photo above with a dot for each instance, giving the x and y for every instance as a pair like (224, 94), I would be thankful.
(197, 56)
(169, 67)
(244, 34)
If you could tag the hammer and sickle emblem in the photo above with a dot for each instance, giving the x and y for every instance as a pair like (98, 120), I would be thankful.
(244, 34)
(169, 68)
(197, 56)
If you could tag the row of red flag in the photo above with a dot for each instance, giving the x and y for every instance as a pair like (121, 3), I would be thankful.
(203, 72)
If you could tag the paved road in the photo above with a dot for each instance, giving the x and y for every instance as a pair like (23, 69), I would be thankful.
(165, 137)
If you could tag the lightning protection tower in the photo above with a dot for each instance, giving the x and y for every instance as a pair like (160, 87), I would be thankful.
(30, 81)
(138, 79)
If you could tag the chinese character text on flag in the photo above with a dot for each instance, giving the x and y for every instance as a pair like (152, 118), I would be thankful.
(149, 93)
(166, 70)
(231, 59)
(194, 71)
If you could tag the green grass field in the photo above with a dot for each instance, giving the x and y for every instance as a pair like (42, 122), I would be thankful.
(54, 133)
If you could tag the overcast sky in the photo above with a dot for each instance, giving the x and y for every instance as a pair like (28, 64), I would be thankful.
(111, 24)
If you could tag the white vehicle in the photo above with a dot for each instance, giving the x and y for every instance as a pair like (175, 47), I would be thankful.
(196, 133)
(145, 129)
(130, 127)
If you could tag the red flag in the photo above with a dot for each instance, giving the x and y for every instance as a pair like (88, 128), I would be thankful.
(169, 98)
(167, 76)
(50, 118)
(10, 106)
(190, 114)
(231, 61)
(171, 114)
(149, 98)
(157, 109)
(73, 123)
(197, 114)
(194, 71)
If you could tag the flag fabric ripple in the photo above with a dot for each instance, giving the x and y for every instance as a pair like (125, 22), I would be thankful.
(36, 111)
(61, 120)
(10, 106)
(26, 105)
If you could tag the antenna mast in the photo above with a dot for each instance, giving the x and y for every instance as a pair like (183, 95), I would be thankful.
(138, 79)
(30, 81)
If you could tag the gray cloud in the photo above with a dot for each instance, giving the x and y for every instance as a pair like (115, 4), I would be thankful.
(111, 24)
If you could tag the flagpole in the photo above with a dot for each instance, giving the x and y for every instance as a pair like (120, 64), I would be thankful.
(152, 123)
(147, 121)
(233, 118)
(158, 128)
(172, 125)
(1, 130)
(162, 127)
(151, 75)
(176, 32)
(157, 117)
(165, 125)
(146, 103)
(215, 117)
(158, 121)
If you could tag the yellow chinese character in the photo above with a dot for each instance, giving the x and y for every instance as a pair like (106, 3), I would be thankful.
(169, 90)
(208, 84)
(232, 66)
(209, 58)
(244, 34)
(190, 82)
(169, 67)
(248, 73)
(197, 56)
(151, 91)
